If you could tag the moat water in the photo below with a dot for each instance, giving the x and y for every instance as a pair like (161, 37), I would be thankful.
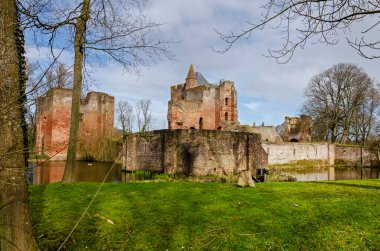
(333, 173)
(50, 172)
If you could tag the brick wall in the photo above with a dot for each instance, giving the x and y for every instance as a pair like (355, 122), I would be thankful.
(195, 152)
(53, 122)
(204, 106)
(352, 155)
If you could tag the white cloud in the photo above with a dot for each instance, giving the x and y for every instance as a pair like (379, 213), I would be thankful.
(254, 106)
(267, 91)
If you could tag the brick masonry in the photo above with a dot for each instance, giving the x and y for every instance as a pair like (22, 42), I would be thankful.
(196, 105)
(354, 155)
(268, 133)
(53, 121)
(297, 129)
(194, 152)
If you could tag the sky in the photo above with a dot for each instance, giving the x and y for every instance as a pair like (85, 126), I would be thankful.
(267, 91)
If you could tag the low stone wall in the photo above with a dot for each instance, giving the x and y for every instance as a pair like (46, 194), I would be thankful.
(194, 152)
(352, 155)
(283, 153)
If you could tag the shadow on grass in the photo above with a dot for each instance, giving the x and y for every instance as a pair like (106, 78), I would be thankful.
(348, 185)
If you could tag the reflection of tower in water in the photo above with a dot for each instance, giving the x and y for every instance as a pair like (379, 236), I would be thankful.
(51, 172)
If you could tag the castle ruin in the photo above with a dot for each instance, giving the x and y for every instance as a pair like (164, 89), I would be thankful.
(196, 104)
(297, 129)
(194, 152)
(53, 121)
(204, 136)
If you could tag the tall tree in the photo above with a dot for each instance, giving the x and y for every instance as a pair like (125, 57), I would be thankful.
(337, 98)
(103, 30)
(15, 225)
(310, 21)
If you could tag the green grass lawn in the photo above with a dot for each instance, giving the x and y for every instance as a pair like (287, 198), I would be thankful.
(340, 215)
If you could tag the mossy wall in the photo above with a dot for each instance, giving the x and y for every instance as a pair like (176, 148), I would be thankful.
(194, 152)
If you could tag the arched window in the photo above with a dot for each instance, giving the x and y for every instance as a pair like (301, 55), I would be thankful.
(226, 101)
(226, 116)
(201, 123)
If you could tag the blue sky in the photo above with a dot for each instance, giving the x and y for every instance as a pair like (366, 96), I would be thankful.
(267, 91)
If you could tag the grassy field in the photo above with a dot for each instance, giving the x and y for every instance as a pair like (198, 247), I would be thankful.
(340, 215)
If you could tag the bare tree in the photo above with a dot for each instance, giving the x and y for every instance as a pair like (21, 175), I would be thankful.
(103, 30)
(15, 224)
(280, 129)
(366, 117)
(311, 21)
(337, 98)
(125, 116)
(143, 115)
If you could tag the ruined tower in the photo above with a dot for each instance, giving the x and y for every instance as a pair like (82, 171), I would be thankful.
(197, 104)
(53, 121)
(297, 129)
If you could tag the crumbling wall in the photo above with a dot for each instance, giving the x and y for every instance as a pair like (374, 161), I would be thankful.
(204, 106)
(268, 133)
(298, 129)
(53, 124)
(356, 155)
(194, 152)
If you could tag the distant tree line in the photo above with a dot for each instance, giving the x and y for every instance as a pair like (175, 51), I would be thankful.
(344, 104)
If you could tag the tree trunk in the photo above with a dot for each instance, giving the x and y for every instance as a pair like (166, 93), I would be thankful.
(80, 31)
(15, 225)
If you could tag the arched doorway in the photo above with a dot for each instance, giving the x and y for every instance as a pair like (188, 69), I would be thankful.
(294, 140)
(201, 123)
(186, 161)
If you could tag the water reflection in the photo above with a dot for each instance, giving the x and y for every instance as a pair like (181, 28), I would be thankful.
(341, 173)
(50, 172)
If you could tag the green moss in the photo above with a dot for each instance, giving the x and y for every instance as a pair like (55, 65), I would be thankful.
(104, 149)
(340, 215)
(346, 163)
(35, 157)
(244, 128)
(354, 146)
(299, 164)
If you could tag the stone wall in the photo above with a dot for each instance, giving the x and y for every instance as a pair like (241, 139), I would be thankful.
(268, 133)
(53, 122)
(194, 152)
(284, 153)
(352, 155)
